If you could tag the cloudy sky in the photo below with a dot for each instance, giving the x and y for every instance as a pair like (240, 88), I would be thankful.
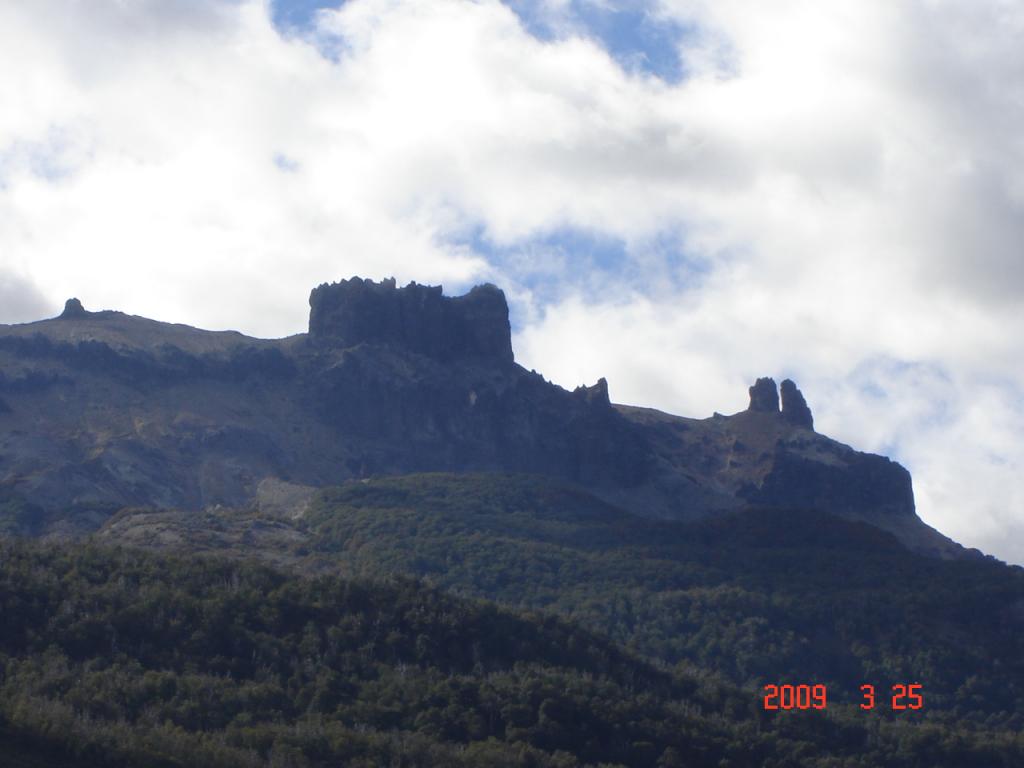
(680, 195)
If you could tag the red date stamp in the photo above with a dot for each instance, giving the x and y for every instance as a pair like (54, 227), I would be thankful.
(903, 696)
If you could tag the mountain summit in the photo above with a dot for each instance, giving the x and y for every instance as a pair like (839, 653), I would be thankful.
(417, 318)
(101, 410)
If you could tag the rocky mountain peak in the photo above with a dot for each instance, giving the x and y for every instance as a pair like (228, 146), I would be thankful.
(764, 396)
(73, 309)
(418, 318)
(794, 407)
(598, 393)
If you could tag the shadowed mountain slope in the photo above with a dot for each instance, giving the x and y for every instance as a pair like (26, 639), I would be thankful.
(100, 410)
(757, 596)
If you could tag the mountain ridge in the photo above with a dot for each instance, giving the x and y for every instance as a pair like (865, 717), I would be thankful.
(106, 410)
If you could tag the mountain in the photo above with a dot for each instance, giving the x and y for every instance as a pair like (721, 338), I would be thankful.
(383, 542)
(100, 411)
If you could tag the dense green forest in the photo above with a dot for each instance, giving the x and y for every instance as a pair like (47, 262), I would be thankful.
(766, 596)
(116, 657)
(498, 620)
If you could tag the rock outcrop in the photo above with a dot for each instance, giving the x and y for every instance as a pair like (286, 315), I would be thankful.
(794, 407)
(851, 484)
(764, 396)
(596, 394)
(418, 318)
(73, 310)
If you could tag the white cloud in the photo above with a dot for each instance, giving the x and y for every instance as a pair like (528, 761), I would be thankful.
(21, 301)
(848, 174)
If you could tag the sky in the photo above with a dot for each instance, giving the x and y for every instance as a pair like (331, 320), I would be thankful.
(678, 195)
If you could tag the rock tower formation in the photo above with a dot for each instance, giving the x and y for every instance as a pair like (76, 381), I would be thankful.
(794, 407)
(417, 318)
(764, 398)
(73, 309)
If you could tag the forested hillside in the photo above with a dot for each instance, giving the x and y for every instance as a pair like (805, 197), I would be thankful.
(768, 596)
(115, 657)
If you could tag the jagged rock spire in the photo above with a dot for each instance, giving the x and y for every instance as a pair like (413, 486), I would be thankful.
(794, 407)
(595, 394)
(764, 397)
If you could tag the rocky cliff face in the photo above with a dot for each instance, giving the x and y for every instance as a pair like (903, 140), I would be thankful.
(770, 457)
(416, 318)
(764, 396)
(794, 407)
(99, 410)
(810, 471)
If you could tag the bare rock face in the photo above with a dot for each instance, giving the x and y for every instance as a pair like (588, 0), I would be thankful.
(855, 485)
(596, 394)
(764, 397)
(794, 407)
(417, 318)
(96, 416)
(73, 309)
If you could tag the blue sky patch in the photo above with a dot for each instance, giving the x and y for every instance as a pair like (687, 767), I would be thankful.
(632, 33)
(638, 39)
(571, 260)
(297, 14)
